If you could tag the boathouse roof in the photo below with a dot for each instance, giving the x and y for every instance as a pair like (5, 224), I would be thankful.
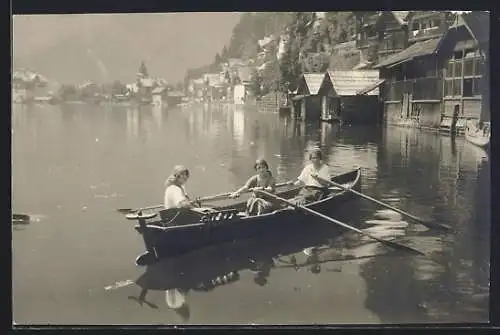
(313, 82)
(418, 49)
(351, 82)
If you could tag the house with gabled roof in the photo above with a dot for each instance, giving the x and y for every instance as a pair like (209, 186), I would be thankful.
(465, 69)
(438, 72)
(356, 96)
(312, 90)
(346, 96)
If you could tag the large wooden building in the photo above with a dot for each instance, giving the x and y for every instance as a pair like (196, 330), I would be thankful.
(440, 69)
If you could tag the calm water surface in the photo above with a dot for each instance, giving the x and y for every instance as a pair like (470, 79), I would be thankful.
(74, 264)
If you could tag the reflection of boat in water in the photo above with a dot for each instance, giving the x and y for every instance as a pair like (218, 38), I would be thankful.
(476, 135)
(190, 230)
(212, 267)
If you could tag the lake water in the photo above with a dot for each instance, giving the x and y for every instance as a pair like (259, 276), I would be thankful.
(73, 165)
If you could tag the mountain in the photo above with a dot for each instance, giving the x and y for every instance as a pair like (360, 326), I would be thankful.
(105, 47)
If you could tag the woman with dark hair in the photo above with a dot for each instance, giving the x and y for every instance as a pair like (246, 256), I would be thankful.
(312, 188)
(262, 180)
(175, 192)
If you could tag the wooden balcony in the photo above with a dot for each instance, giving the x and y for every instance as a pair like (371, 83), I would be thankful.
(424, 34)
(422, 89)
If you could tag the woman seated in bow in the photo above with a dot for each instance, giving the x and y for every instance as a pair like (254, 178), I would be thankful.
(176, 197)
(263, 180)
(175, 191)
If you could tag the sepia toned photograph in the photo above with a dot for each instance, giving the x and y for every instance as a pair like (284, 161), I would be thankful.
(251, 168)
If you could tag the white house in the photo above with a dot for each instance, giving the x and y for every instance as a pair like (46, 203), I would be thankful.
(159, 95)
(239, 94)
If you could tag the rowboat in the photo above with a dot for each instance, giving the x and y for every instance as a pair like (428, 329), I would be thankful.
(477, 136)
(173, 235)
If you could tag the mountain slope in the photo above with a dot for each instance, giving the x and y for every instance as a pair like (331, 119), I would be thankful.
(76, 48)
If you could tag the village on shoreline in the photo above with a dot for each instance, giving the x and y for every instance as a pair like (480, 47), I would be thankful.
(413, 68)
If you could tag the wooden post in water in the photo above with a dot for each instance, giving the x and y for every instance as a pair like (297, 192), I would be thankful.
(303, 108)
(324, 108)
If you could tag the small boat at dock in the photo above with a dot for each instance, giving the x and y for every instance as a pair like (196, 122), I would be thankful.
(476, 135)
(189, 230)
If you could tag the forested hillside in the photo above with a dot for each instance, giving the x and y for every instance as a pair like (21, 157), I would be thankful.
(300, 42)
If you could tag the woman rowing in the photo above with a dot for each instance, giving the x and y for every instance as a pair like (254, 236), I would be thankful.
(262, 180)
(312, 188)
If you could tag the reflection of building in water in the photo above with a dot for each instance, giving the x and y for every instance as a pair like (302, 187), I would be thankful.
(157, 116)
(192, 124)
(346, 157)
(326, 129)
(133, 122)
(471, 156)
(239, 127)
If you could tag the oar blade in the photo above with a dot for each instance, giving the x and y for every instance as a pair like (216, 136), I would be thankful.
(429, 224)
(402, 247)
(325, 217)
(435, 225)
(125, 210)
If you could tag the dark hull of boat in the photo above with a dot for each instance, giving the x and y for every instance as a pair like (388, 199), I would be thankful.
(178, 240)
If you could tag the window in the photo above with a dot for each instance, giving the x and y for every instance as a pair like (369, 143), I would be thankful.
(424, 25)
(457, 87)
(449, 69)
(448, 87)
(476, 86)
(458, 54)
(468, 67)
(437, 23)
(415, 25)
(371, 32)
(478, 67)
(458, 69)
(468, 91)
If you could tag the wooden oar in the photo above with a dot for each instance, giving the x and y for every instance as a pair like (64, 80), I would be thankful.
(337, 222)
(422, 221)
(220, 196)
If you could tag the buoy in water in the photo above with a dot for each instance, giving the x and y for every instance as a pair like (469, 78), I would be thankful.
(20, 219)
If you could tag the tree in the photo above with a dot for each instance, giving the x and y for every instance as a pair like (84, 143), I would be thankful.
(217, 59)
(179, 86)
(118, 88)
(143, 70)
(255, 83)
(224, 54)
(67, 92)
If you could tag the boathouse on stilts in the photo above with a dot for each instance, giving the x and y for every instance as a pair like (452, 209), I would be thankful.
(310, 102)
(356, 96)
(339, 96)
